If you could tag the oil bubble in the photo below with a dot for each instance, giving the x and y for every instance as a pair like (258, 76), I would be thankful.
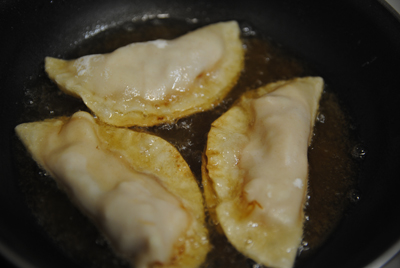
(358, 152)
(192, 20)
(321, 118)
(100, 241)
(43, 174)
(303, 247)
(354, 196)
(253, 264)
(248, 30)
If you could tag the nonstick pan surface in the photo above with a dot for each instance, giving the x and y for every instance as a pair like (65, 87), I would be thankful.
(354, 45)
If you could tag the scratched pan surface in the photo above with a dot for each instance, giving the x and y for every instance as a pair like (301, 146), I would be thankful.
(354, 45)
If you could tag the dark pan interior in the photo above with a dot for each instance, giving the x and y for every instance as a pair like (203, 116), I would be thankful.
(354, 45)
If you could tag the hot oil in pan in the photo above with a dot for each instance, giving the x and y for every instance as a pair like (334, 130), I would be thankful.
(332, 169)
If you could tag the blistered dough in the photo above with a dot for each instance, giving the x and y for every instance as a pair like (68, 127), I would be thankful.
(135, 187)
(157, 81)
(255, 169)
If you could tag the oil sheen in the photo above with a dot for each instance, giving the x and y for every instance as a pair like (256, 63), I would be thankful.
(332, 168)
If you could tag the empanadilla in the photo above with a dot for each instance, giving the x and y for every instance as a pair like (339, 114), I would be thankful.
(135, 187)
(255, 169)
(155, 82)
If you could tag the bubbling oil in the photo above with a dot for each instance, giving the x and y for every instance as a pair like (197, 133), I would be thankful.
(331, 164)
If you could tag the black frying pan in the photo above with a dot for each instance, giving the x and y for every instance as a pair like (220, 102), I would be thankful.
(354, 45)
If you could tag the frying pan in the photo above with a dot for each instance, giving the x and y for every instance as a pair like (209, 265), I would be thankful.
(353, 44)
